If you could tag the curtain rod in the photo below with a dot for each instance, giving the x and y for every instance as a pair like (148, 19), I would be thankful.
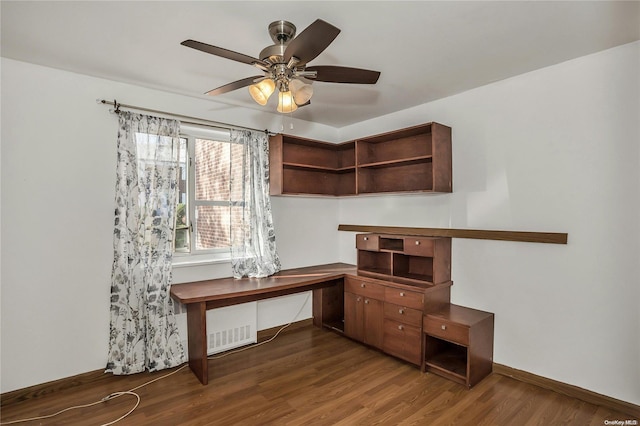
(204, 122)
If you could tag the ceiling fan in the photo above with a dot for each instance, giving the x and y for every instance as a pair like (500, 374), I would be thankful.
(284, 65)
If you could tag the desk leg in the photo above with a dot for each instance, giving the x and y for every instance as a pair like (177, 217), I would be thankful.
(197, 335)
(316, 307)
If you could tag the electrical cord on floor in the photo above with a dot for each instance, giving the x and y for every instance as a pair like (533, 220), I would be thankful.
(76, 407)
(131, 391)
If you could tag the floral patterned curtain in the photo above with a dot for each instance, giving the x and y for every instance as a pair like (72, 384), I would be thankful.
(143, 331)
(253, 240)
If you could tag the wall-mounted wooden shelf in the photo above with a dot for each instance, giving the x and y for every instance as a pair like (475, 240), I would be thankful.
(415, 159)
(529, 237)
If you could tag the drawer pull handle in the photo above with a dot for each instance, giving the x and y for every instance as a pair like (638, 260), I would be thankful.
(362, 285)
(417, 243)
(358, 299)
(444, 327)
(401, 311)
(366, 238)
(401, 294)
(366, 301)
(400, 327)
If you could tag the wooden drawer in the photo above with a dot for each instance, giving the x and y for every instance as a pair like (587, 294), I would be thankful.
(364, 288)
(446, 329)
(403, 341)
(410, 299)
(403, 314)
(418, 246)
(368, 242)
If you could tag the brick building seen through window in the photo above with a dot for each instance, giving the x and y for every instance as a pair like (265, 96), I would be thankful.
(216, 194)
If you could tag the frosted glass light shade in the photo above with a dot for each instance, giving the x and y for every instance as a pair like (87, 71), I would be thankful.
(301, 92)
(286, 102)
(261, 91)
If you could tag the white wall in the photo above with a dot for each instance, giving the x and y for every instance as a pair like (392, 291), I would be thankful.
(58, 181)
(553, 150)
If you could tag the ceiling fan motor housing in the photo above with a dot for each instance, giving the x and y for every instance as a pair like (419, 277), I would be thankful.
(282, 32)
(273, 54)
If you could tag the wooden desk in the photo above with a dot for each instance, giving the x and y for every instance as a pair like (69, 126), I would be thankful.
(202, 295)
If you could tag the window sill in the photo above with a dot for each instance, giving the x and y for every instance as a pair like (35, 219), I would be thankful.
(187, 260)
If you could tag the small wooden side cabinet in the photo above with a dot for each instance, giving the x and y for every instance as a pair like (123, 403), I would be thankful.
(458, 344)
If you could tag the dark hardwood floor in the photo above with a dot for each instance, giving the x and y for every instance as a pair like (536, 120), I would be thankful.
(306, 377)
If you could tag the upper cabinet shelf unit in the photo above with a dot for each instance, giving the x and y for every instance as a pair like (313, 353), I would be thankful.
(408, 160)
(415, 159)
(305, 166)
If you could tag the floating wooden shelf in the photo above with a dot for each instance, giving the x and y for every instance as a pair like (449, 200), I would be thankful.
(530, 237)
(415, 159)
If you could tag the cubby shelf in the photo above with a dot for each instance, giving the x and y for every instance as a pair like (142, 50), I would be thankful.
(415, 159)
(421, 260)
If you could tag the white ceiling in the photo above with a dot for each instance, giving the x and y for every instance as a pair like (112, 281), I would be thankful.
(425, 50)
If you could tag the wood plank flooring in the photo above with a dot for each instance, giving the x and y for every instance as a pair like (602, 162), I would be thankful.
(307, 377)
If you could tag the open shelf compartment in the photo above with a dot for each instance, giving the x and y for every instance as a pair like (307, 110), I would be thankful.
(315, 153)
(391, 244)
(397, 177)
(446, 358)
(300, 180)
(374, 262)
(395, 146)
(413, 267)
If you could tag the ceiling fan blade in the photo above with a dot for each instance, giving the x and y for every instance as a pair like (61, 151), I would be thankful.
(224, 53)
(311, 42)
(335, 74)
(234, 85)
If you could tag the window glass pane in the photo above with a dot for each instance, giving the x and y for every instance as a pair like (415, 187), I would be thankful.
(212, 227)
(212, 160)
(216, 192)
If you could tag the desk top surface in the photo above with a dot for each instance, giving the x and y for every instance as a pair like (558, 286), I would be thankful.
(229, 288)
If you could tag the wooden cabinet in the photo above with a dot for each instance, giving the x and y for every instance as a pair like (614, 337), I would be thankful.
(458, 343)
(364, 311)
(402, 324)
(399, 279)
(388, 315)
(414, 259)
(415, 159)
(400, 302)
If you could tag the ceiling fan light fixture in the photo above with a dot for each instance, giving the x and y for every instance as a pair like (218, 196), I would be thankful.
(261, 91)
(302, 92)
(286, 103)
(284, 64)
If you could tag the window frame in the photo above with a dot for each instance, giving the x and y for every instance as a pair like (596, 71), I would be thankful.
(200, 256)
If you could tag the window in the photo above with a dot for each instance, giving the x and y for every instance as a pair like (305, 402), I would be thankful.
(210, 168)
